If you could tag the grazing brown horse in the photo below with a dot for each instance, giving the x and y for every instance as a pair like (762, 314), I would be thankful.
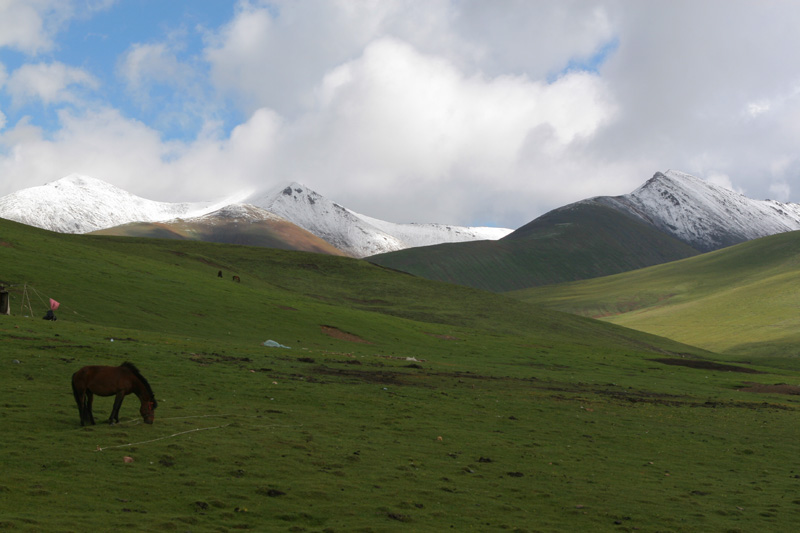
(237, 279)
(112, 381)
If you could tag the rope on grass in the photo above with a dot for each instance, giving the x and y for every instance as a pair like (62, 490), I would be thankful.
(101, 448)
(135, 421)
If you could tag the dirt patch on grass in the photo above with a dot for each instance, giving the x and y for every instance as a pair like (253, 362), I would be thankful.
(778, 388)
(443, 337)
(706, 365)
(205, 359)
(381, 377)
(6, 244)
(336, 333)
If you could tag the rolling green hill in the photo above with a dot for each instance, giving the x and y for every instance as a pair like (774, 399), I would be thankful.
(137, 283)
(739, 300)
(580, 241)
(400, 404)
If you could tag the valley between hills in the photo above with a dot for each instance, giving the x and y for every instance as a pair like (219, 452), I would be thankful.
(392, 402)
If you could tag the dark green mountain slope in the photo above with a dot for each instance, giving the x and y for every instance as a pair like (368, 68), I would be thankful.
(579, 241)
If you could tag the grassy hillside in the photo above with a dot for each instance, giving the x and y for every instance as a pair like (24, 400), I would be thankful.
(739, 300)
(576, 242)
(402, 404)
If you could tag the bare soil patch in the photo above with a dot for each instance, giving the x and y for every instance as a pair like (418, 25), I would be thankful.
(778, 388)
(336, 333)
(204, 359)
(382, 377)
(443, 337)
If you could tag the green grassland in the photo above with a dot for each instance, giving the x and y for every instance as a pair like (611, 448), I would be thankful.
(402, 404)
(743, 300)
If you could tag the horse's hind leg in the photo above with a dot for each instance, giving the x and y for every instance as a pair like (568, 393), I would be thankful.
(80, 398)
(88, 407)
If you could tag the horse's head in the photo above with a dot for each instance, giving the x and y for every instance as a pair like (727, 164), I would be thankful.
(148, 412)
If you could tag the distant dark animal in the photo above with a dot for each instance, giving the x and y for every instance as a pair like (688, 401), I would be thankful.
(116, 381)
(236, 279)
(219, 274)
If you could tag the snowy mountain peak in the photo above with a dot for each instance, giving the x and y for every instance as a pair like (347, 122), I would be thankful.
(83, 181)
(238, 213)
(702, 214)
(80, 204)
(356, 234)
(326, 219)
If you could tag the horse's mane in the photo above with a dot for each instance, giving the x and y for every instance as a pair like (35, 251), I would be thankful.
(130, 366)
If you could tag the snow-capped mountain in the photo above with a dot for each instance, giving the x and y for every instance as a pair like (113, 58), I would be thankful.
(233, 224)
(701, 214)
(356, 234)
(81, 204)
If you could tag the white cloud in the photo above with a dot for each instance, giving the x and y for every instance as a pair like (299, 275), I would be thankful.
(780, 191)
(22, 25)
(51, 83)
(273, 54)
(403, 109)
(723, 180)
(32, 25)
(104, 144)
(756, 108)
(395, 119)
(440, 110)
(538, 38)
(100, 143)
(155, 63)
(365, 114)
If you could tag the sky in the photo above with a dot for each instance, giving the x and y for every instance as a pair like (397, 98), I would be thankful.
(469, 112)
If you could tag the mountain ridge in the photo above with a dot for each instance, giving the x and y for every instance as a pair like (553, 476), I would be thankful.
(685, 208)
(82, 204)
(704, 215)
(685, 215)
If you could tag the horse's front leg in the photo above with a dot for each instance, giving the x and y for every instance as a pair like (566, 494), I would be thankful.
(115, 411)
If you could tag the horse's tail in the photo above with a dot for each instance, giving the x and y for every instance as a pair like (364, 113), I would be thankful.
(75, 392)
